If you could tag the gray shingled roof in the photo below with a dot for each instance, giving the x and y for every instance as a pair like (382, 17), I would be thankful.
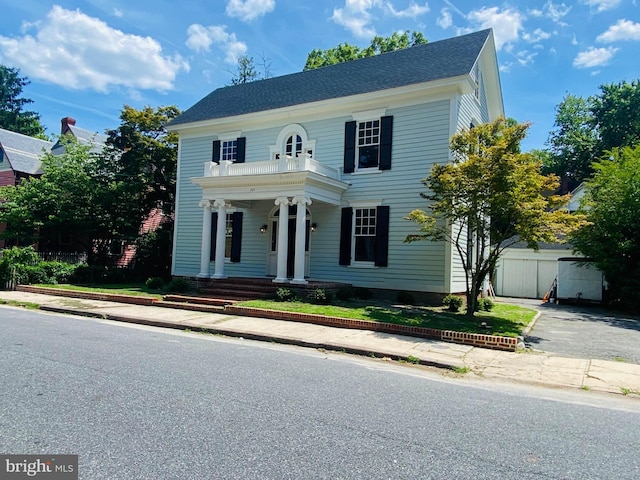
(24, 152)
(423, 63)
(84, 137)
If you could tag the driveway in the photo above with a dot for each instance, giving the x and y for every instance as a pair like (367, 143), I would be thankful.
(583, 332)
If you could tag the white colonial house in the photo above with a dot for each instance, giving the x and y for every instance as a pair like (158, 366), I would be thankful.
(309, 176)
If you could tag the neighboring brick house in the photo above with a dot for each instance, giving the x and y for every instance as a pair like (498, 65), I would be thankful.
(19, 159)
(20, 156)
(339, 152)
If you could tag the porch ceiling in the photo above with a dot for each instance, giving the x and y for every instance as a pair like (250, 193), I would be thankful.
(270, 186)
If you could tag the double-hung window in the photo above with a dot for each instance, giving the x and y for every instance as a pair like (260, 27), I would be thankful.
(229, 149)
(367, 144)
(364, 235)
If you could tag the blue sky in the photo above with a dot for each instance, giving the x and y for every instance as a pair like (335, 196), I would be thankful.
(86, 59)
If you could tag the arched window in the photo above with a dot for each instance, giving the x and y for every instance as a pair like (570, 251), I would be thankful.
(293, 147)
(292, 141)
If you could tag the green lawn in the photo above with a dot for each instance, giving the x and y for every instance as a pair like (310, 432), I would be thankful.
(504, 319)
(120, 288)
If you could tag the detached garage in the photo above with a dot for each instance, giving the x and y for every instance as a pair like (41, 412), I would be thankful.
(525, 273)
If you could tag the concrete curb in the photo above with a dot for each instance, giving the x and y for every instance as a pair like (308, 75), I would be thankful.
(527, 330)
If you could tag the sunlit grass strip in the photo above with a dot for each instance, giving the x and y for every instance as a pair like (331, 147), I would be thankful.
(118, 289)
(504, 320)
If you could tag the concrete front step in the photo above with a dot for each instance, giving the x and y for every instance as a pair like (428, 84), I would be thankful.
(199, 300)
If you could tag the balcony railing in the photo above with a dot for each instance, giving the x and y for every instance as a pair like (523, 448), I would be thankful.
(300, 163)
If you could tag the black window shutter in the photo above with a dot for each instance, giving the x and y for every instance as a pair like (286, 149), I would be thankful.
(236, 236)
(345, 236)
(215, 157)
(382, 236)
(214, 231)
(241, 144)
(349, 146)
(386, 135)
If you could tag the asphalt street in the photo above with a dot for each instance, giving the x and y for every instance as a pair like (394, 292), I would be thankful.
(140, 402)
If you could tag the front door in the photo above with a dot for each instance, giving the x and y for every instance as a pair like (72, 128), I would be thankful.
(291, 243)
(291, 248)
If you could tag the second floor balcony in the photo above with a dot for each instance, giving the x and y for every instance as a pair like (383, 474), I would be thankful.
(285, 164)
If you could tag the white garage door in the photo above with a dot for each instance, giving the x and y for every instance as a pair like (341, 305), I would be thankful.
(524, 278)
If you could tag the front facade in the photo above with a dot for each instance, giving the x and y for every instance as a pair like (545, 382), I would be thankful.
(309, 176)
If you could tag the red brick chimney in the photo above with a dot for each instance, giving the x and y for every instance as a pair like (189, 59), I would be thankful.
(66, 123)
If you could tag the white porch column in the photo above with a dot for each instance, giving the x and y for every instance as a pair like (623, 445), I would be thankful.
(283, 238)
(301, 233)
(221, 230)
(205, 252)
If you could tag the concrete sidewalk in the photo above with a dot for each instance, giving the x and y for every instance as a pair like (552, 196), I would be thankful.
(534, 368)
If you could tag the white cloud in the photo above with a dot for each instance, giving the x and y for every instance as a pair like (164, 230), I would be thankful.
(117, 13)
(525, 57)
(412, 11)
(594, 57)
(602, 5)
(356, 17)
(556, 12)
(537, 36)
(506, 23)
(623, 30)
(506, 67)
(249, 9)
(444, 20)
(200, 38)
(76, 51)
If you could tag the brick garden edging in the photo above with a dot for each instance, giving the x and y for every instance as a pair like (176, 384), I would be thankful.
(107, 297)
(474, 339)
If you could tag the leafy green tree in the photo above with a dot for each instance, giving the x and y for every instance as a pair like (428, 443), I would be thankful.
(99, 197)
(143, 152)
(12, 114)
(615, 113)
(586, 129)
(573, 142)
(76, 195)
(489, 198)
(345, 52)
(612, 235)
(153, 252)
(142, 168)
